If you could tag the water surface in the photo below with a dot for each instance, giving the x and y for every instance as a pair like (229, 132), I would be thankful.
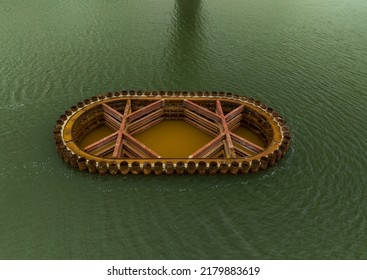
(305, 58)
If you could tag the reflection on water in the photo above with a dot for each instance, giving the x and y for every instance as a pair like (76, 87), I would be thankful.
(188, 16)
(187, 39)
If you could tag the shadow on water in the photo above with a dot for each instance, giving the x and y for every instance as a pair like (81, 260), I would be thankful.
(187, 39)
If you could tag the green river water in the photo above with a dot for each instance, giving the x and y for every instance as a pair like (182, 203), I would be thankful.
(305, 58)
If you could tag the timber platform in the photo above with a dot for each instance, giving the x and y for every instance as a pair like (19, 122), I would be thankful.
(126, 114)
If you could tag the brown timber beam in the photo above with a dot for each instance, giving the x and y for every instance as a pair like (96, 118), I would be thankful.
(234, 123)
(102, 142)
(145, 120)
(242, 152)
(249, 145)
(112, 112)
(234, 113)
(200, 127)
(201, 110)
(227, 151)
(145, 110)
(208, 147)
(146, 126)
(127, 153)
(104, 152)
(111, 122)
(215, 149)
(203, 121)
(118, 147)
(149, 152)
(134, 151)
(228, 147)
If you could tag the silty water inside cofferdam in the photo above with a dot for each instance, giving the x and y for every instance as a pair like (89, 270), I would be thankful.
(306, 59)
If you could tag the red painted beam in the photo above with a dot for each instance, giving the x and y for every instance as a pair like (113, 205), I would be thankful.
(112, 112)
(146, 126)
(127, 153)
(111, 122)
(227, 150)
(132, 149)
(201, 127)
(201, 110)
(201, 120)
(249, 145)
(145, 110)
(145, 120)
(207, 147)
(234, 113)
(234, 123)
(241, 152)
(149, 152)
(105, 151)
(215, 149)
(230, 151)
(102, 142)
(218, 154)
(118, 146)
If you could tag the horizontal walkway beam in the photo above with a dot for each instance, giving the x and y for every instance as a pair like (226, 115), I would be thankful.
(228, 145)
(246, 143)
(102, 142)
(118, 147)
(201, 110)
(209, 146)
(145, 110)
(234, 113)
(149, 152)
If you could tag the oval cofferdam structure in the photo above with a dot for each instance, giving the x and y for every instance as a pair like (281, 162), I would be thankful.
(150, 132)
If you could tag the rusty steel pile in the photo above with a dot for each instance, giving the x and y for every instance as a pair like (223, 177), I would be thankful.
(127, 113)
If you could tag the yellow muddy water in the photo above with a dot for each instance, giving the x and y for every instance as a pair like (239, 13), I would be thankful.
(174, 138)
